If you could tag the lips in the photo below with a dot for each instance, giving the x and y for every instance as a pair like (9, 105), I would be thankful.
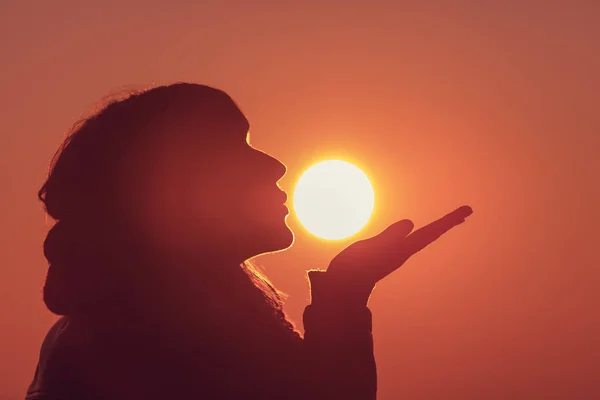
(283, 197)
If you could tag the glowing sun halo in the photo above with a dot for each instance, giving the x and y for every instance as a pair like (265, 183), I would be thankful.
(333, 199)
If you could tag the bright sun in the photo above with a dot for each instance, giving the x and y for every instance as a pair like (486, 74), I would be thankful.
(333, 199)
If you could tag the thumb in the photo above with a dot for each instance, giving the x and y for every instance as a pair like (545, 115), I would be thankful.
(384, 250)
(394, 233)
(379, 244)
(372, 250)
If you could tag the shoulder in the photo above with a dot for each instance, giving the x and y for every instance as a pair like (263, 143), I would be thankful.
(53, 364)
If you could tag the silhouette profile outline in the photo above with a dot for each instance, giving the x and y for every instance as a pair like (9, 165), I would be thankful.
(159, 202)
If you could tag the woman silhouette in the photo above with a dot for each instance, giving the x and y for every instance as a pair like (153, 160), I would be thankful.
(160, 201)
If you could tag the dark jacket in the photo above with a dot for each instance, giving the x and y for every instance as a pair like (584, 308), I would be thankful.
(334, 359)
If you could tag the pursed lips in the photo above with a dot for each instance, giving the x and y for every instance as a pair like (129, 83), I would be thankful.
(283, 196)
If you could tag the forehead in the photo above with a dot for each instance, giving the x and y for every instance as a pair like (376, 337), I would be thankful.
(211, 126)
(220, 121)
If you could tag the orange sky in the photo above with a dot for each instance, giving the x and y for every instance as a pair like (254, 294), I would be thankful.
(495, 106)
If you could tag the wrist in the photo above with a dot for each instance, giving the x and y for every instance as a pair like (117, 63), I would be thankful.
(337, 289)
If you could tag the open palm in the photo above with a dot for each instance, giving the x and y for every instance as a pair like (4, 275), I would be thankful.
(371, 260)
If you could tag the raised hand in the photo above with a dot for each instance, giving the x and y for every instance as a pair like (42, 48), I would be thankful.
(371, 260)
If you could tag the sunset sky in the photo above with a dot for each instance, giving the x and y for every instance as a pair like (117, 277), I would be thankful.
(487, 103)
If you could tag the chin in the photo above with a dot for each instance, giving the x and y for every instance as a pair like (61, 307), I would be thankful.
(272, 239)
(287, 239)
(280, 239)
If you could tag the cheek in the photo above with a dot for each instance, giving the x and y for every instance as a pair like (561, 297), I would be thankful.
(173, 193)
(185, 202)
(154, 202)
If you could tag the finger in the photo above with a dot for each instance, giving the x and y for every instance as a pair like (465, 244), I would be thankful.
(426, 235)
(397, 230)
(378, 250)
(387, 239)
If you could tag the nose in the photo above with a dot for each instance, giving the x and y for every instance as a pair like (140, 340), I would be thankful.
(276, 168)
(279, 168)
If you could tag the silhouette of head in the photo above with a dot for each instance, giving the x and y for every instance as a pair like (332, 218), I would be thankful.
(171, 169)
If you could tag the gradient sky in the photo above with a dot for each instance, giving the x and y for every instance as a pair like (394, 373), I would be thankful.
(492, 104)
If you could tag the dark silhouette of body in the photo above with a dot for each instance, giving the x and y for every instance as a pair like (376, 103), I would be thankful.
(160, 201)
